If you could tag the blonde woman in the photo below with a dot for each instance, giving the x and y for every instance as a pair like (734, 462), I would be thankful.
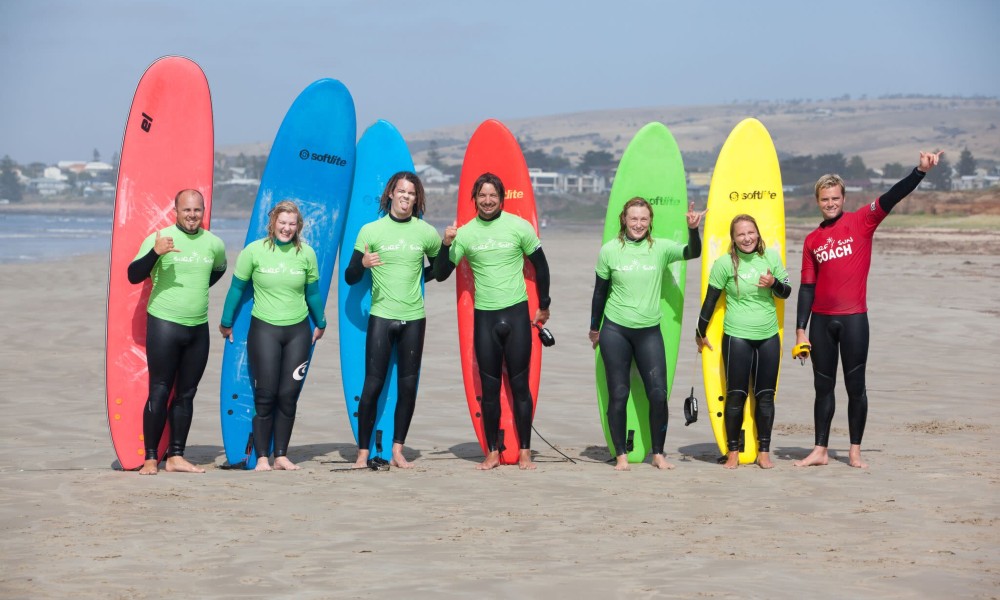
(285, 274)
(751, 276)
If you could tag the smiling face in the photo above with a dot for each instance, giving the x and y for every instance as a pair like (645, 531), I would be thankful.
(488, 201)
(190, 207)
(637, 220)
(745, 236)
(286, 226)
(403, 198)
(830, 201)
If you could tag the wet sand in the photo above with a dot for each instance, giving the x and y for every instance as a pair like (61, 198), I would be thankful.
(921, 522)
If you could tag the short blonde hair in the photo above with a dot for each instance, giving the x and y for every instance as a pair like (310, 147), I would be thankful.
(828, 181)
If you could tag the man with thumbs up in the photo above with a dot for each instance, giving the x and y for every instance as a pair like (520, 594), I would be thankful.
(183, 261)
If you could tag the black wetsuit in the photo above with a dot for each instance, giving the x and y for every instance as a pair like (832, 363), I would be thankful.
(621, 344)
(278, 357)
(836, 260)
(176, 356)
(499, 336)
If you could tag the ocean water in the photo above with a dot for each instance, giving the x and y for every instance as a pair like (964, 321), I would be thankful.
(30, 238)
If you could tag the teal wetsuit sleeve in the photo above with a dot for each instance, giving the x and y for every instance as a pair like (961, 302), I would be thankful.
(236, 289)
(315, 304)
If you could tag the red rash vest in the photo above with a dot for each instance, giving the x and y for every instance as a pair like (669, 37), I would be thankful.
(837, 258)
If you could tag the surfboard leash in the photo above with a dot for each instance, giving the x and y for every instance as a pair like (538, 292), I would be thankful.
(550, 445)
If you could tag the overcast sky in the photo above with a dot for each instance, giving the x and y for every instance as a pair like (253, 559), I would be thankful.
(68, 68)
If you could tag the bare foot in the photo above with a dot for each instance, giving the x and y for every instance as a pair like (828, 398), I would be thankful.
(854, 457)
(524, 461)
(398, 460)
(660, 462)
(362, 462)
(179, 464)
(764, 460)
(817, 457)
(262, 464)
(281, 463)
(621, 463)
(492, 461)
(732, 460)
(150, 467)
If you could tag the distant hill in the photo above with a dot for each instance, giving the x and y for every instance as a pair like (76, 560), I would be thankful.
(881, 131)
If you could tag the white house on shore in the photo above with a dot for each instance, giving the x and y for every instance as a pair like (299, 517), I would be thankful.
(553, 182)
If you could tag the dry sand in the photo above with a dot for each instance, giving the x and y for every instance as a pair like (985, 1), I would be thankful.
(922, 522)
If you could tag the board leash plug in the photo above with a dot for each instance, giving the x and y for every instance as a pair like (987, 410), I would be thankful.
(690, 409)
(801, 352)
(378, 464)
(545, 335)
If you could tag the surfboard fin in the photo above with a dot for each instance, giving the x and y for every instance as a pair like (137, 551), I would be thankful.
(630, 441)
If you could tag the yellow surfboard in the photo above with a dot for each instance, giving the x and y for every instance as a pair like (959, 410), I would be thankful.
(746, 180)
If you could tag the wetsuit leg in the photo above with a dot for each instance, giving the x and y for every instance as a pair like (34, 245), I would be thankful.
(854, 355)
(176, 356)
(378, 350)
(489, 355)
(765, 380)
(517, 354)
(163, 349)
(651, 362)
(296, 344)
(191, 366)
(738, 357)
(264, 355)
(617, 352)
(824, 336)
(409, 351)
(491, 330)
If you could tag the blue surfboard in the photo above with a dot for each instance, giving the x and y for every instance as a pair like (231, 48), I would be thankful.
(311, 163)
(381, 153)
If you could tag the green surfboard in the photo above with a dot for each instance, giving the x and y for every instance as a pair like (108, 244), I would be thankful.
(651, 168)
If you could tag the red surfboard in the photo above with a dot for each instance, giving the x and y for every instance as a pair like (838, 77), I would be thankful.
(494, 149)
(168, 146)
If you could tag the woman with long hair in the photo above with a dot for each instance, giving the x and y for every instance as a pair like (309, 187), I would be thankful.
(751, 276)
(285, 275)
(630, 272)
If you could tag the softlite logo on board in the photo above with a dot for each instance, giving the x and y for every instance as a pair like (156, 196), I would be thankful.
(665, 201)
(147, 122)
(331, 159)
(736, 196)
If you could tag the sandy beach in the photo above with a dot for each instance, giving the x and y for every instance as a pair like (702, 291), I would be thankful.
(922, 522)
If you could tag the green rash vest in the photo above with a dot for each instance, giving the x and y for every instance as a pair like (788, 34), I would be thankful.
(279, 275)
(180, 279)
(495, 250)
(750, 311)
(636, 272)
(401, 246)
